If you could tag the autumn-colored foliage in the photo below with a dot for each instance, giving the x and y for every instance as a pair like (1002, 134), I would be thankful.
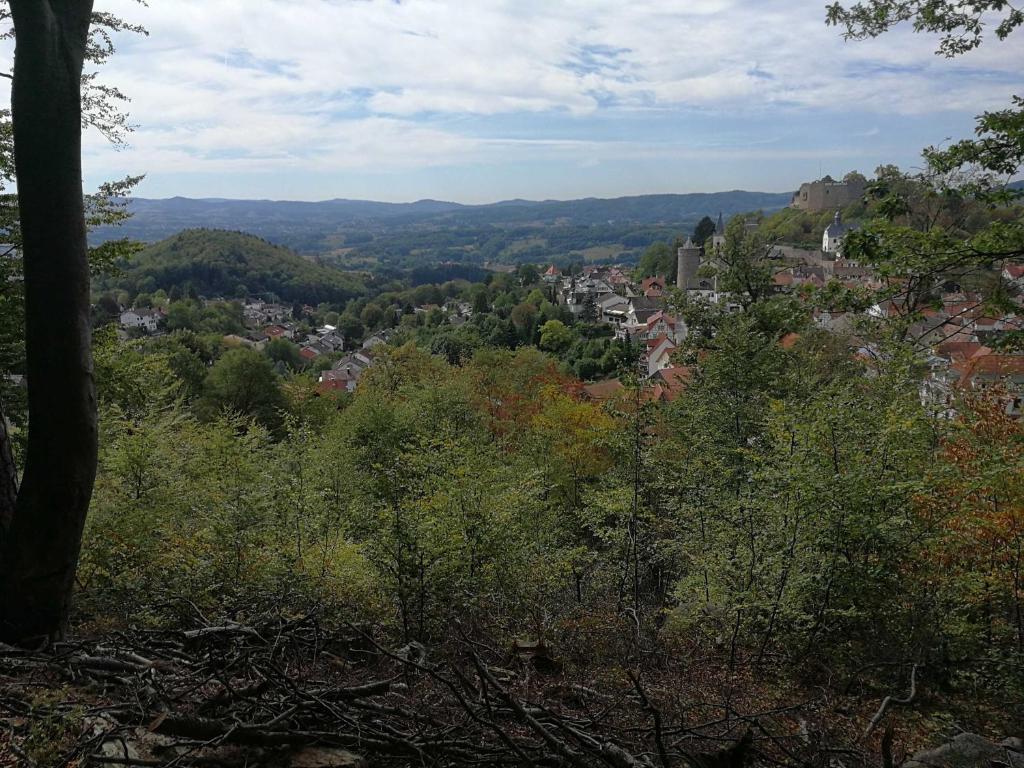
(974, 501)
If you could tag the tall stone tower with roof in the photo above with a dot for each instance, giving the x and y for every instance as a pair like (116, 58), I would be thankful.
(687, 263)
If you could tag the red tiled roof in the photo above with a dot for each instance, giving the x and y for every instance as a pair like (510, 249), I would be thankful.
(650, 282)
(985, 363)
(672, 381)
(661, 315)
(1015, 271)
(958, 351)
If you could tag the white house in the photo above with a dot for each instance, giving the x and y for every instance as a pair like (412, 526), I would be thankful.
(662, 324)
(614, 309)
(149, 319)
(659, 352)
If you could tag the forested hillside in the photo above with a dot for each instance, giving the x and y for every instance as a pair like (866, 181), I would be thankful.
(793, 531)
(222, 263)
(361, 233)
(742, 544)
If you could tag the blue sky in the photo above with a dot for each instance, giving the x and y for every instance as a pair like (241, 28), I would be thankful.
(481, 100)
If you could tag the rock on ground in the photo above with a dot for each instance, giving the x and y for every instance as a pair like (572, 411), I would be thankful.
(969, 750)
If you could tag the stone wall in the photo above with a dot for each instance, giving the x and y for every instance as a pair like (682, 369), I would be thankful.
(826, 194)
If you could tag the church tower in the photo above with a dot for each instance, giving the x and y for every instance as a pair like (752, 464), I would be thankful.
(832, 237)
(687, 263)
(718, 239)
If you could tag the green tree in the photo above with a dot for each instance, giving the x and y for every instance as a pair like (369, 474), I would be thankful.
(372, 316)
(976, 169)
(435, 317)
(528, 274)
(658, 259)
(961, 25)
(283, 351)
(589, 313)
(555, 336)
(481, 306)
(107, 308)
(456, 346)
(243, 381)
(524, 318)
(187, 357)
(744, 269)
(182, 315)
(536, 297)
(705, 228)
(350, 327)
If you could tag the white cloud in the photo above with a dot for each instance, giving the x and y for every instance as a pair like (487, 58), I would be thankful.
(320, 85)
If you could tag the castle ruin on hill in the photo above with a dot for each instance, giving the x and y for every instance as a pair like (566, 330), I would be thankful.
(827, 193)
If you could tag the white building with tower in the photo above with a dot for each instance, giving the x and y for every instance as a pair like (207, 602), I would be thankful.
(832, 237)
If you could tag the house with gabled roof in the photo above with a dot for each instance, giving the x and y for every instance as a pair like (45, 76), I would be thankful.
(656, 355)
(833, 236)
(642, 308)
(383, 336)
(663, 324)
(311, 352)
(653, 287)
(337, 381)
(670, 382)
(279, 332)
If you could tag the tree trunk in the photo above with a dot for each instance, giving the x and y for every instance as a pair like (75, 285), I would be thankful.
(39, 545)
(8, 474)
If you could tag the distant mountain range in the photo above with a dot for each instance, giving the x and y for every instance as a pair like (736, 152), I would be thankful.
(318, 227)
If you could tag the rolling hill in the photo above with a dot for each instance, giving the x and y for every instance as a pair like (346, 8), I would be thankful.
(223, 263)
(319, 227)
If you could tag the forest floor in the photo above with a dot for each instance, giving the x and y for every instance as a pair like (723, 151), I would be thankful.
(290, 692)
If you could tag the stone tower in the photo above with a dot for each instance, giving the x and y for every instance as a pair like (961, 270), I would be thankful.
(687, 262)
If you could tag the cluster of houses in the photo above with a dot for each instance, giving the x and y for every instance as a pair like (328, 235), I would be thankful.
(638, 312)
(970, 365)
(963, 342)
(274, 321)
(267, 321)
(344, 375)
(961, 337)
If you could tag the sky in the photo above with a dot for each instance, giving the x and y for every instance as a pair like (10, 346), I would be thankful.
(484, 100)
